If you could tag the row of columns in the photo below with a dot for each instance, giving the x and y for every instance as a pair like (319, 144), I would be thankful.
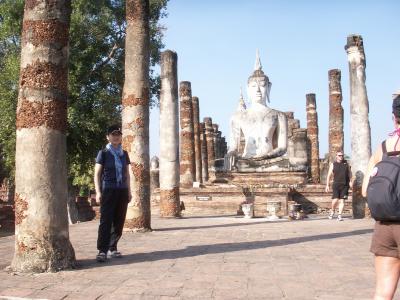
(205, 145)
(189, 156)
(359, 121)
(335, 135)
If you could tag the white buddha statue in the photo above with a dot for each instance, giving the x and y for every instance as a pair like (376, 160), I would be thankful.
(263, 129)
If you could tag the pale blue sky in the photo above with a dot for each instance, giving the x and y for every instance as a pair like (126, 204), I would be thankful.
(299, 41)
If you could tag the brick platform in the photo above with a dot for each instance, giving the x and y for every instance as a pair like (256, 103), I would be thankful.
(225, 199)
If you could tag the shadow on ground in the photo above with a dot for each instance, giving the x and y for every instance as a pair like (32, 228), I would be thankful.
(6, 232)
(193, 251)
(253, 221)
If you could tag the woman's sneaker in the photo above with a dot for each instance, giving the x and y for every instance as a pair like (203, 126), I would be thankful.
(101, 257)
(339, 218)
(331, 214)
(114, 254)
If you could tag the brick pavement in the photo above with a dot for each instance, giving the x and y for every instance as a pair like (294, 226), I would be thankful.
(212, 258)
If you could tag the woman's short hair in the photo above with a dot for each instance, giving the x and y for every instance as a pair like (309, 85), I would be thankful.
(396, 107)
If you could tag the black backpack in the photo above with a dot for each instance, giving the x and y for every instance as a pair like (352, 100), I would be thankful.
(383, 192)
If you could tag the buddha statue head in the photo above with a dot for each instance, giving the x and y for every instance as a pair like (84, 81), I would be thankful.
(258, 84)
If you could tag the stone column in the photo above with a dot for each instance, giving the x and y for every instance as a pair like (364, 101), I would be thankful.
(197, 143)
(204, 155)
(336, 139)
(169, 136)
(224, 146)
(312, 135)
(219, 145)
(187, 164)
(210, 143)
(359, 122)
(135, 113)
(41, 219)
(215, 138)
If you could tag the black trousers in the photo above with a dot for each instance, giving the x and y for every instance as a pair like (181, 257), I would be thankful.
(113, 206)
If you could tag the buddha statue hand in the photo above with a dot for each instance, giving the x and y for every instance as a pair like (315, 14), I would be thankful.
(272, 154)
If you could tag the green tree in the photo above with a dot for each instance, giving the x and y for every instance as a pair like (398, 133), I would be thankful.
(11, 13)
(96, 75)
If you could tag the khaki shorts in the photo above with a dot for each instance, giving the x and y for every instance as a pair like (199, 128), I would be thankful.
(386, 239)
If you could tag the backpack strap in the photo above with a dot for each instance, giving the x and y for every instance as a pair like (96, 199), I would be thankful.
(390, 153)
(384, 150)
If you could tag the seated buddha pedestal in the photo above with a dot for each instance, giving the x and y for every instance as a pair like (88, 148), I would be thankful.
(288, 169)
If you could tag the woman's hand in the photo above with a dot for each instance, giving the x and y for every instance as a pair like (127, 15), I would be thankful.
(98, 197)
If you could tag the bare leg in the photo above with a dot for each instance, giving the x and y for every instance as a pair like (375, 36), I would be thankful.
(341, 206)
(387, 276)
(334, 204)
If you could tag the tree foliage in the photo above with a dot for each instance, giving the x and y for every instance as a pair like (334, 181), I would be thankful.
(11, 13)
(96, 75)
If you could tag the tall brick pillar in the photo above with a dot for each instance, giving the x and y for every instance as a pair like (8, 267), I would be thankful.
(219, 144)
(187, 159)
(204, 155)
(336, 139)
(197, 143)
(312, 135)
(210, 143)
(224, 146)
(216, 148)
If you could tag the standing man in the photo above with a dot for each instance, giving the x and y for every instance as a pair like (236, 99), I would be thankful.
(341, 182)
(111, 180)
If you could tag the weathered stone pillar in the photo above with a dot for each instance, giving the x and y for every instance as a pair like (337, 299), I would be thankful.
(219, 145)
(41, 219)
(215, 138)
(135, 113)
(210, 143)
(154, 173)
(336, 138)
(204, 154)
(169, 136)
(224, 146)
(312, 135)
(187, 164)
(197, 142)
(359, 122)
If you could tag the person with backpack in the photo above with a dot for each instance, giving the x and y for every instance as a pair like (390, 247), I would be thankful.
(381, 186)
(341, 172)
(111, 180)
